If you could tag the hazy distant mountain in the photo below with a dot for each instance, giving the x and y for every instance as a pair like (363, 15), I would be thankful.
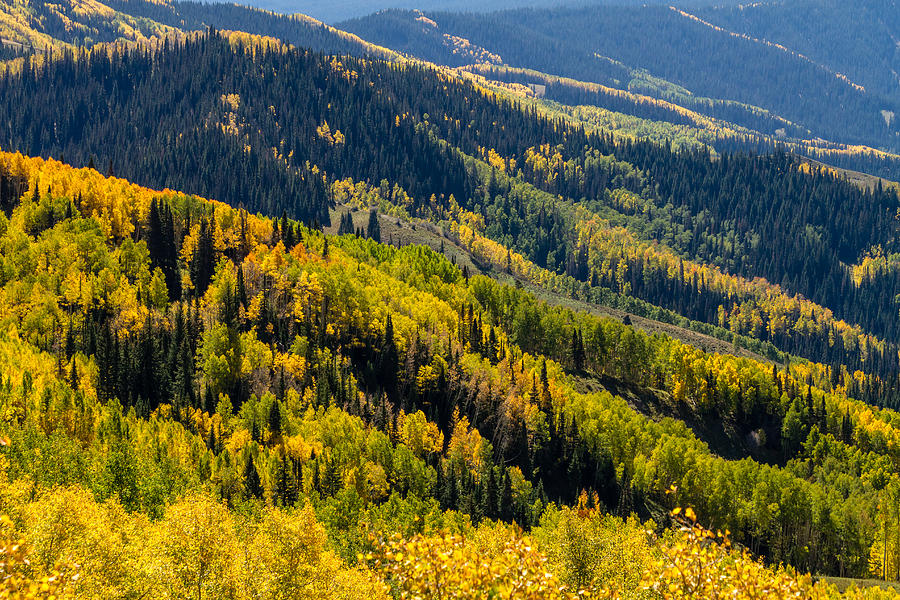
(862, 37)
(688, 56)
(332, 12)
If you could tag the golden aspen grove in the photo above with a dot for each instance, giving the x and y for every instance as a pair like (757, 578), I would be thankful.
(292, 312)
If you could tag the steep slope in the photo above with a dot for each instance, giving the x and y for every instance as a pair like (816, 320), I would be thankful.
(297, 29)
(377, 383)
(45, 25)
(706, 124)
(441, 147)
(606, 45)
(40, 25)
(175, 119)
(167, 360)
(858, 40)
(735, 126)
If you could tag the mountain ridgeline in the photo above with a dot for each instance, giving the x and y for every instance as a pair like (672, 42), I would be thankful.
(332, 12)
(296, 29)
(856, 40)
(39, 26)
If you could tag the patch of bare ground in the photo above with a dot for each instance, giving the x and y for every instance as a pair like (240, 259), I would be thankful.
(398, 232)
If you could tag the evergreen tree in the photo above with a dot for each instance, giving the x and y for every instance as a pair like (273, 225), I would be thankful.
(489, 498)
(330, 480)
(373, 232)
(161, 244)
(203, 262)
(274, 418)
(241, 286)
(577, 350)
(545, 387)
(211, 441)
(285, 490)
(346, 224)
(252, 482)
(73, 376)
(389, 359)
(506, 508)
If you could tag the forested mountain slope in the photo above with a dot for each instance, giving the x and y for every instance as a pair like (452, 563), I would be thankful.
(858, 40)
(40, 25)
(691, 62)
(733, 126)
(317, 120)
(297, 29)
(43, 25)
(167, 360)
(708, 125)
(387, 391)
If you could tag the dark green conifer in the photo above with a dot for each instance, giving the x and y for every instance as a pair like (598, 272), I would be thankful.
(373, 231)
(252, 482)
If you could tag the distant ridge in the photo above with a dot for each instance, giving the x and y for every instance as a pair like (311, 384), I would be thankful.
(333, 12)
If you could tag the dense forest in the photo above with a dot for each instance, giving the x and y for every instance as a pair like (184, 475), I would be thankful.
(379, 387)
(689, 62)
(295, 29)
(736, 126)
(318, 120)
(42, 26)
(281, 318)
(861, 37)
(682, 121)
(57, 25)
